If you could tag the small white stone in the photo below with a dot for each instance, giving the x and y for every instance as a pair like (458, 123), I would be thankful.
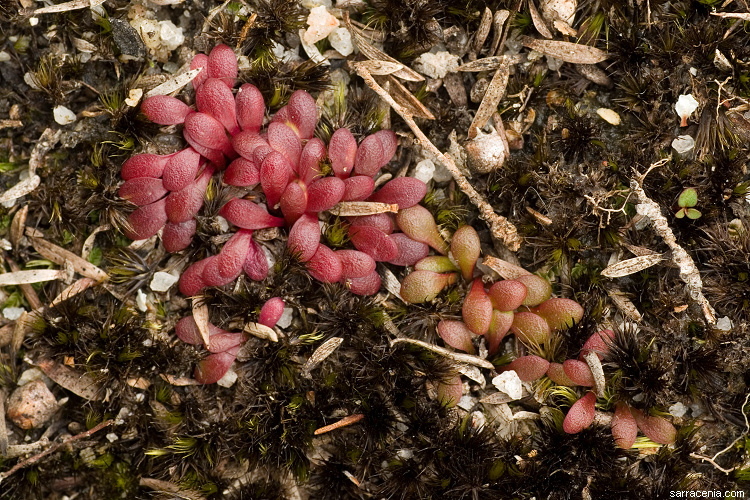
(609, 115)
(122, 415)
(13, 313)
(4, 56)
(678, 410)
(140, 397)
(286, 318)
(341, 40)
(33, 21)
(685, 106)
(229, 378)
(436, 65)
(466, 403)
(162, 281)
(693, 71)
(553, 63)
(405, 454)
(683, 144)
(696, 410)
(134, 97)
(29, 376)
(63, 115)
(311, 4)
(321, 23)
(171, 36)
(724, 324)
(222, 223)
(424, 171)
(509, 383)
(112, 437)
(140, 301)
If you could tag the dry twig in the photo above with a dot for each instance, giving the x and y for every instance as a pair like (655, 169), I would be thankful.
(712, 460)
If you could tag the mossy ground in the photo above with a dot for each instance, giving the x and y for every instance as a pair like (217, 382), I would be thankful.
(255, 440)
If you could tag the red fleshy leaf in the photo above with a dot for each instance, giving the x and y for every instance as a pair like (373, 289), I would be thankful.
(423, 286)
(183, 205)
(216, 99)
(409, 251)
(176, 237)
(225, 341)
(450, 392)
(580, 415)
(214, 156)
(147, 220)
(369, 156)
(191, 281)
(242, 172)
(248, 215)
(293, 201)
(624, 427)
(381, 222)
(457, 335)
(144, 165)
(530, 328)
(210, 369)
(303, 113)
(142, 190)
(234, 253)
(355, 264)
(284, 140)
(165, 110)
(538, 289)
(271, 312)
(312, 155)
(246, 142)
(418, 224)
(599, 343)
(187, 331)
(250, 108)
(260, 153)
(373, 242)
(222, 64)
(465, 248)
(657, 429)
(556, 373)
(256, 264)
(560, 313)
(403, 191)
(477, 309)
(529, 368)
(342, 150)
(358, 188)
(205, 131)
(324, 266)
(324, 193)
(579, 372)
(499, 328)
(181, 169)
(304, 237)
(390, 143)
(507, 295)
(367, 285)
(199, 61)
(436, 263)
(275, 174)
(211, 275)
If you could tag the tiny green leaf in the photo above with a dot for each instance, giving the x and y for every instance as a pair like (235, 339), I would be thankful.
(693, 213)
(688, 198)
(680, 213)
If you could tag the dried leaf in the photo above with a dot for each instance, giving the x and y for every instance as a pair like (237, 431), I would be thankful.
(540, 217)
(595, 365)
(631, 266)
(564, 28)
(356, 208)
(566, 51)
(484, 64)
(471, 372)
(46, 141)
(595, 74)
(21, 189)
(455, 356)
(61, 256)
(88, 245)
(745, 16)
(321, 353)
(406, 99)
(139, 383)
(73, 290)
(498, 21)
(174, 84)
(17, 226)
(3, 429)
(392, 283)
(10, 124)
(496, 398)
(375, 54)
(624, 304)
(33, 276)
(80, 384)
(172, 489)
(179, 381)
(484, 29)
(200, 315)
(504, 268)
(261, 331)
(491, 99)
(68, 6)
(539, 24)
(379, 67)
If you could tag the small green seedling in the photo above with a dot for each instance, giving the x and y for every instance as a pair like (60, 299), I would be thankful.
(687, 200)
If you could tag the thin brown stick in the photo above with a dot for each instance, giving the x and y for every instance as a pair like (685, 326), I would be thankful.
(500, 227)
(54, 448)
(351, 419)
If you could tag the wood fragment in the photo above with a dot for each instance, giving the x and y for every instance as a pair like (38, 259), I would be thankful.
(566, 51)
(745, 16)
(61, 256)
(539, 24)
(71, 291)
(688, 270)
(200, 315)
(174, 84)
(357, 208)
(19, 331)
(407, 100)
(631, 266)
(261, 331)
(491, 99)
(504, 268)
(33, 276)
(10, 124)
(321, 353)
(46, 141)
(351, 419)
(173, 490)
(595, 364)
(178, 381)
(455, 356)
(68, 6)
(81, 384)
(23, 188)
(539, 217)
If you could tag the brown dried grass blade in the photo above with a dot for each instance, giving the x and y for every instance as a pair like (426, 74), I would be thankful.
(17, 226)
(407, 100)
(321, 353)
(631, 266)
(200, 315)
(498, 21)
(539, 24)
(356, 208)
(566, 51)
(504, 268)
(61, 256)
(80, 384)
(495, 92)
(483, 31)
(379, 67)
(33, 276)
(73, 290)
